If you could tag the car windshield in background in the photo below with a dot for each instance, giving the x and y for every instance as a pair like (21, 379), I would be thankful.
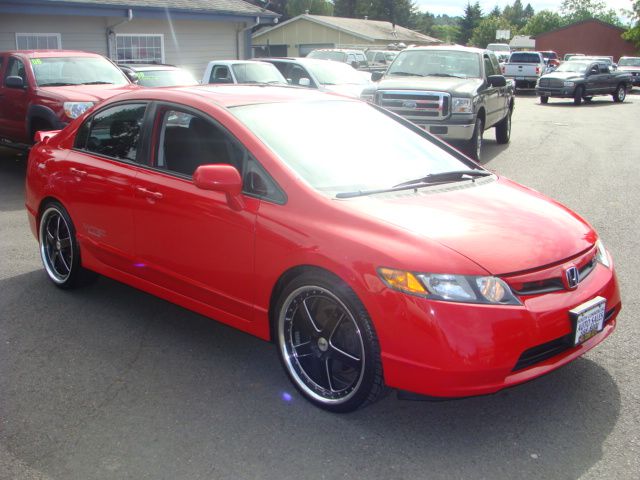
(629, 62)
(424, 63)
(328, 55)
(61, 71)
(332, 162)
(333, 73)
(550, 55)
(258, 73)
(573, 66)
(524, 58)
(165, 78)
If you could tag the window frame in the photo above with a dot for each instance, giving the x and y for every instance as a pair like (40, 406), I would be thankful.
(134, 60)
(58, 37)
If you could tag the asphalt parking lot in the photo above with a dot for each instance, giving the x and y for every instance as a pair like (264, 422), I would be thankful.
(110, 383)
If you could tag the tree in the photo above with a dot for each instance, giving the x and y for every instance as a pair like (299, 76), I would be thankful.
(580, 10)
(471, 19)
(543, 21)
(315, 7)
(485, 32)
(633, 34)
(398, 12)
(446, 33)
(514, 14)
(528, 13)
(345, 8)
(496, 12)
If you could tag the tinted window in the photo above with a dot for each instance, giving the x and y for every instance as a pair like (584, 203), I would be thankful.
(114, 132)
(524, 57)
(220, 74)
(603, 68)
(488, 66)
(15, 68)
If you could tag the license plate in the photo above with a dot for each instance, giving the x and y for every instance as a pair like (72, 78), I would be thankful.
(519, 78)
(588, 318)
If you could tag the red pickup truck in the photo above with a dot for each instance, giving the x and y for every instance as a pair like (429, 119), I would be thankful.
(46, 89)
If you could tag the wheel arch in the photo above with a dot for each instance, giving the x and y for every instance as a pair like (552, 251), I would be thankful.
(40, 113)
(483, 116)
(41, 207)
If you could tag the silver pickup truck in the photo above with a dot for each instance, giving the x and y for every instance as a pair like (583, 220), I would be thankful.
(453, 92)
(524, 68)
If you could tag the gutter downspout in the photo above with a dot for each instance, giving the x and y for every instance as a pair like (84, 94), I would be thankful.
(242, 32)
(111, 33)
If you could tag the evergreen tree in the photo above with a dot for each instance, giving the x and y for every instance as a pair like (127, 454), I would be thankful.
(315, 7)
(543, 21)
(528, 12)
(580, 10)
(485, 32)
(470, 20)
(495, 12)
(345, 8)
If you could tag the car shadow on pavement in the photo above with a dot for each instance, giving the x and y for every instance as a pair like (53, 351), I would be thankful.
(13, 167)
(107, 379)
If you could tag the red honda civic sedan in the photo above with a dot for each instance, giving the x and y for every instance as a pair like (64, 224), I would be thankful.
(390, 263)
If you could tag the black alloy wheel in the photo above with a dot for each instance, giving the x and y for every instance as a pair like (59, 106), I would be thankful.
(327, 343)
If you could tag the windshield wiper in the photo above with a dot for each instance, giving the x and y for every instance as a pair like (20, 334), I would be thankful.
(452, 176)
(56, 84)
(444, 75)
(431, 179)
(408, 74)
(97, 83)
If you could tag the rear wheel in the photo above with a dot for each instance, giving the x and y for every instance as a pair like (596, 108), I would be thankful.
(587, 99)
(327, 343)
(577, 95)
(544, 100)
(620, 93)
(59, 249)
(503, 129)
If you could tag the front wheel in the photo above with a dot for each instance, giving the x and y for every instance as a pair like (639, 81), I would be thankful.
(327, 344)
(544, 100)
(503, 129)
(620, 93)
(577, 96)
(475, 144)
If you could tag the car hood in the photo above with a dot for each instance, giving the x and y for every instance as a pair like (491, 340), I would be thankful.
(563, 75)
(500, 225)
(461, 86)
(629, 68)
(347, 89)
(86, 93)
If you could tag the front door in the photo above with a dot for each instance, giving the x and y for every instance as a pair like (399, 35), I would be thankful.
(192, 241)
(13, 103)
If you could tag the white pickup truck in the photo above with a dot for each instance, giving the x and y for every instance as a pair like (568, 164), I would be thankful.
(524, 68)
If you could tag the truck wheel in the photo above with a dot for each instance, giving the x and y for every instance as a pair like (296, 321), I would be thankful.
(587, 99)
(474, 146)
(577, 95)
(38, 125)
(503, 129)
(620, 93)
(544, 100)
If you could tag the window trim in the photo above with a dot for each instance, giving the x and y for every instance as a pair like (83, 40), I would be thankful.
(123, 35)
(41, 34)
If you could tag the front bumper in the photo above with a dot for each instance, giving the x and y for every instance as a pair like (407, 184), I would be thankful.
(564, 92)
(445, 349)
(449, 131)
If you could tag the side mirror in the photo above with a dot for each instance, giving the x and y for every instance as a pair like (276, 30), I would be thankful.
(497, 80)
(304, 82)
(376, 76)
(221, 178)
(14, 82)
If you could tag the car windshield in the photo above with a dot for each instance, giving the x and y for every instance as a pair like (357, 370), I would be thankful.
(310, 138)
(499, 47)
(629, 62)
(258, 73)
(60, 71)
(333, 73)
(436, 62)
(551, 55)
(573, 66)
(328, 55)
(165, 78)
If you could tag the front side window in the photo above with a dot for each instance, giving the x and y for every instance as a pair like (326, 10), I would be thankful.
(488, 66)
(134, 48)
(16, 69)
(38, 41)
(114, 132)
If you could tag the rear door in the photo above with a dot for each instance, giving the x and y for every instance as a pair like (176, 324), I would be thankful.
(100, 174)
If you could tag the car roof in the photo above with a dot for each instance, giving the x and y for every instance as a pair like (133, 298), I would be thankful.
(51, 53)
(142, 67)
(301, 60)
(445, 48)
(234, 62)
(231, 95)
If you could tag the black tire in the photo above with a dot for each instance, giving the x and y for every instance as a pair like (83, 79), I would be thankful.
(577, 95)
(474, 147)
(327, 343)
(620, 93)
(37, 125)
(59, 250)
(587, 99)
(503, 129)
(544, 100)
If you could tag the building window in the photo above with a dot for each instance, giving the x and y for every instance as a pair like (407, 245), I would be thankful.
(38, 41)
(134, 48)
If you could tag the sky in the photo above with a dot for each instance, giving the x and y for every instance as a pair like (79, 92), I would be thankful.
(456, 7)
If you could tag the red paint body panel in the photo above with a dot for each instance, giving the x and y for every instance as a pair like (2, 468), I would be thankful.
(160, 233)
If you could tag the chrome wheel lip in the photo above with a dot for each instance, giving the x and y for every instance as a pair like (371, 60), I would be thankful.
(622, 93)
(53, 213)
(294, 368)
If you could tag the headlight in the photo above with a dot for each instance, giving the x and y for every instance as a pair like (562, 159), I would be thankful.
(461, 105)
(601, 254)
(449, 287)
(569, 84)
(75, 109)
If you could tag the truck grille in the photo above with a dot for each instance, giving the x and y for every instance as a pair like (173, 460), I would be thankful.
(551, 82)
(415, 105)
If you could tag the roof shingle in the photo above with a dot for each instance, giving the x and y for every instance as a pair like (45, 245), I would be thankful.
(201, 6)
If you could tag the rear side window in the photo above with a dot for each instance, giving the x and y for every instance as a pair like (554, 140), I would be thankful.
(524, 57)
(114, 132)
(220, 74)
(488, 66)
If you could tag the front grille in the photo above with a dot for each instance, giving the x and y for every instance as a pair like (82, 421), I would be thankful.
(415, 105)
(550, 349)
(551, 82)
